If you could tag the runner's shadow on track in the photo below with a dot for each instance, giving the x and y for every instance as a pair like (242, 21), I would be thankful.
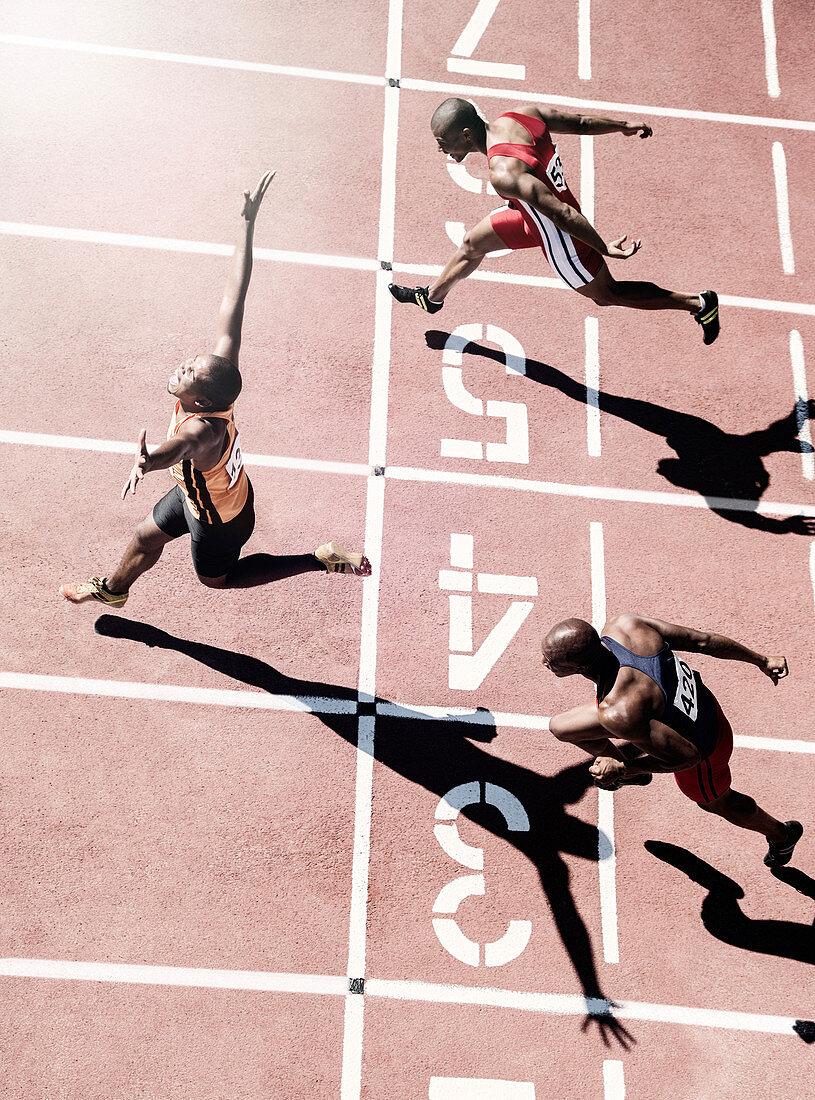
(722, 915)
(440, 755)
(709, 461)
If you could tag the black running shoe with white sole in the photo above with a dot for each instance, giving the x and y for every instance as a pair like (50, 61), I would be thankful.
(708, 316)
(779, 855)
(416, 295)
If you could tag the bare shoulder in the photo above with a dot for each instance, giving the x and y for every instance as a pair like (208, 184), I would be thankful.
(635, 633)
(627, 707)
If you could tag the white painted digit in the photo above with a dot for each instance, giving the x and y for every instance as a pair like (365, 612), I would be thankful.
(469, 39)
(515, 448)
(453, 940)
(467, 670)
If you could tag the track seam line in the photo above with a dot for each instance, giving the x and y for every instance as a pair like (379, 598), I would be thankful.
(411, 84)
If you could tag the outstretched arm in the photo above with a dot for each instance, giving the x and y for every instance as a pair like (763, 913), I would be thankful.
(194, 440)
(511, 180)
(230, 315)
(688, 640)
(564, 122)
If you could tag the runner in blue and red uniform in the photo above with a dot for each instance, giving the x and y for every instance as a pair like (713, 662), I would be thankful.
(526, 170)
(650, 698)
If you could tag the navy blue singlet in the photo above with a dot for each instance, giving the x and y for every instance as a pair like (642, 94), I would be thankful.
(690, 707)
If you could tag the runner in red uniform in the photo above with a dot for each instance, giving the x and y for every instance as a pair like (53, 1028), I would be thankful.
(526, 170)
(212, 500)
(652, 699)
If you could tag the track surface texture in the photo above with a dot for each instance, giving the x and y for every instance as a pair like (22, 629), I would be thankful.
(315, 839)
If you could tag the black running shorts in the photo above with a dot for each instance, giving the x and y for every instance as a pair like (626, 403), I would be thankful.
(215, 549)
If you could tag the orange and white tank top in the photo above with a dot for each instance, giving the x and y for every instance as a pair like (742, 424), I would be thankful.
(213, 496)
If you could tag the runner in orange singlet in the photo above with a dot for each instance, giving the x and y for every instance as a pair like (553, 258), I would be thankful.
(541, 212)
(212, 500)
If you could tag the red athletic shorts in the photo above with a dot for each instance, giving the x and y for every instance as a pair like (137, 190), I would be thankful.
(710, 779)
(571, 259)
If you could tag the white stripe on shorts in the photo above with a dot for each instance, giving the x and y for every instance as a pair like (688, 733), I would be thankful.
(560, 249)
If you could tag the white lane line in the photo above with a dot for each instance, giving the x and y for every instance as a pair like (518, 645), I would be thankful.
(482, 717)
(783, 208)
(113, 446)
(186, 59)
(584, 40)
(770, 57)
(173, 975)
(775, 744)
(411, 84)
(354, 1019)
(565, 1004)
(597, 492)
(354, 263)
(587, 176)
(799, 378)
(613, 1080)
(486, 68)
(172, 244)
(606, 850)
(176, 693)
(407, 473)
(593, 387)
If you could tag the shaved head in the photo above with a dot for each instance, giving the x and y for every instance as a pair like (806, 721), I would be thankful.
(220, 381)
(453, 116)
(572, 640)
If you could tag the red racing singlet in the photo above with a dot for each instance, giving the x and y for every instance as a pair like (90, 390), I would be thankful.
(213, 496)
(542, 156)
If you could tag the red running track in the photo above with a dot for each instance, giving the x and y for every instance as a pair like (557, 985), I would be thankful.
(197, 876)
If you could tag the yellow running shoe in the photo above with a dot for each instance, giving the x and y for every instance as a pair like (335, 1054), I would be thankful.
(94, 589)
(338, 560)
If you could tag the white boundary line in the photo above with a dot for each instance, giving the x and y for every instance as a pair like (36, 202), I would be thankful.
(175, 693)
(799, 378)
(782, 202)
(573, 1005)
(409, 83)
(354, 1019)
(597, 492)
(613, 1080)
(607, 849)
(584, 41)
(353, 263)
(525, 96)
(452, 477)
(186, 59)
(558, 1004)
(770, 56)
(593, 440)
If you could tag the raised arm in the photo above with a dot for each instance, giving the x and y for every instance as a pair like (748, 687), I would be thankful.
(512, 180)
(564, 122)
(230, 315)
(688, 640)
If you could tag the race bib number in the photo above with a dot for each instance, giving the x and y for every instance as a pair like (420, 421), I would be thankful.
(554, 170)
(687, 697)
(234, 463)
